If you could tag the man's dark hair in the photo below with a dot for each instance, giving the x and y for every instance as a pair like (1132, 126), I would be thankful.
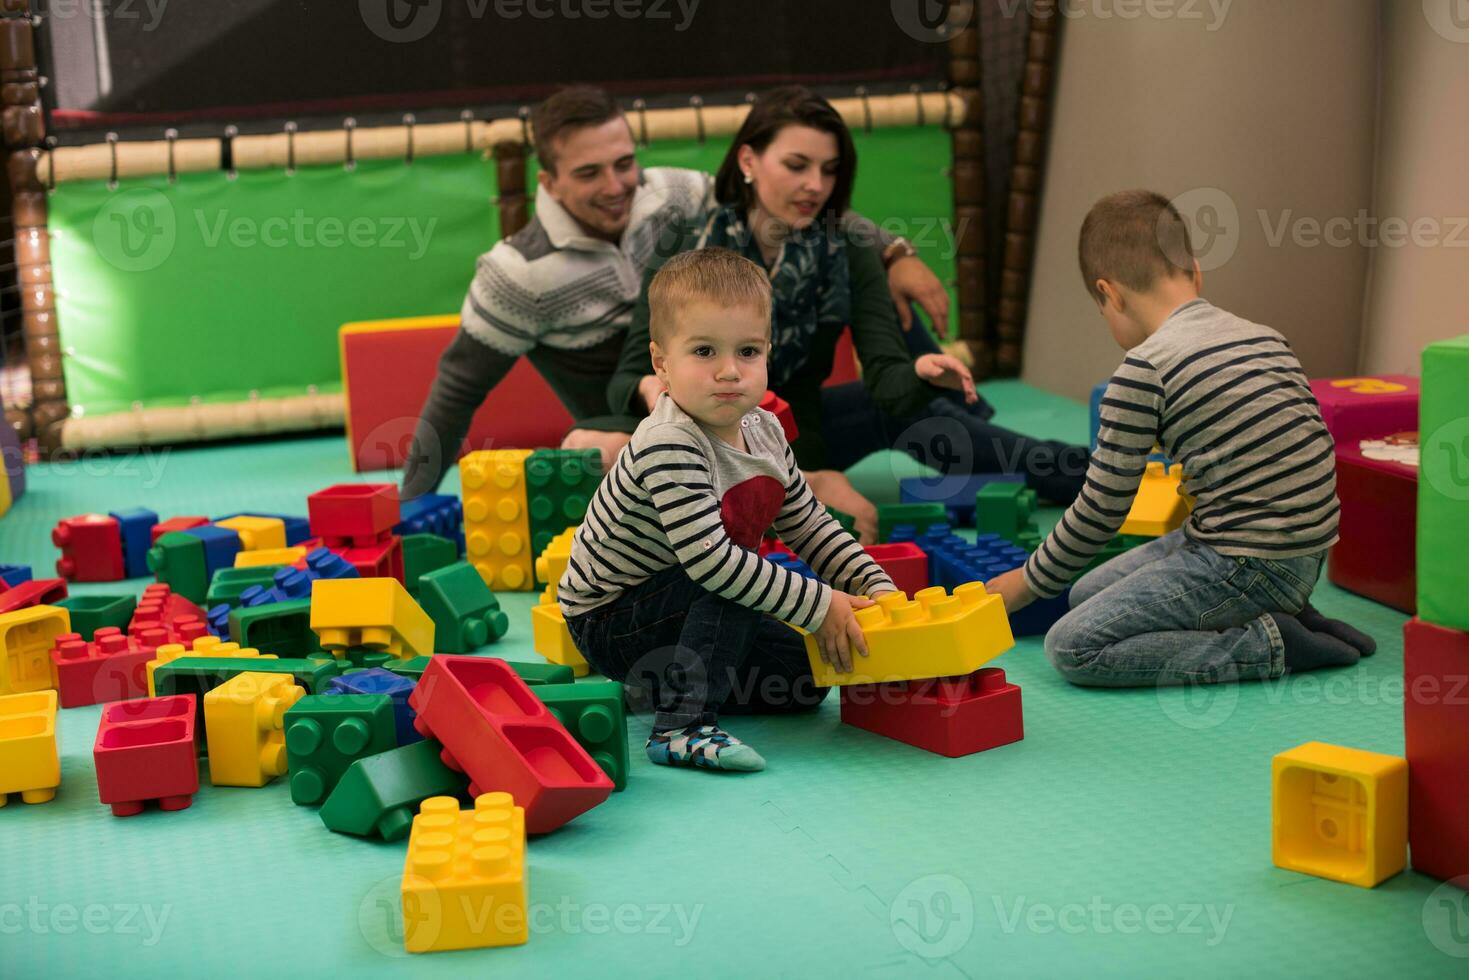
(1134, 238)
(569, 108)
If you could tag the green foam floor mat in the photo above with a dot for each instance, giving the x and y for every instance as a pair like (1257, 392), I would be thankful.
(1128, 834)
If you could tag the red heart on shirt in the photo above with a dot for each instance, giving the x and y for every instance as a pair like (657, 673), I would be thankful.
(748, 509)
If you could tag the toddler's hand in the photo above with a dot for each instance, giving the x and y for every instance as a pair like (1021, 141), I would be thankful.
(1012, 588)
(839, 633)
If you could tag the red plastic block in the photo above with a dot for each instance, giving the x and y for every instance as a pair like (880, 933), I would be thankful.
(175, 524)
(355, 514)
(91, 548)
(1365, 408)
(905, 563)
(1376, 556)
(498, 733)
(381, 560)
(110, 668)
(161, 608)
(1436, 730)
(145, 751)
(951, 716)
(781, 409)
(37, 592)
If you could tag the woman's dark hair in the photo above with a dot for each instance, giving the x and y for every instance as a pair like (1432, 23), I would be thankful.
(788, 105)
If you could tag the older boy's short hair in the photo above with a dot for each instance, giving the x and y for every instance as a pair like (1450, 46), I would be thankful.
(1134, 238)
(570, 108)
(715, 275)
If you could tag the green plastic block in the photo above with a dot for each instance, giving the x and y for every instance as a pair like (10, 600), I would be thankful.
(379, 795)
(424, 553)
(1007, 509)
(465, 612)
(326, 733)
(89, 613)
(559, 484)
(228, 583)
(919, 515)
(532, 674)
(177, 559)
(1443, 485)
(281, 628)
(593, 712)
(360, 658)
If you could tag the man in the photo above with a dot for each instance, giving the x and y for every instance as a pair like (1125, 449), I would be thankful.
(561, 290)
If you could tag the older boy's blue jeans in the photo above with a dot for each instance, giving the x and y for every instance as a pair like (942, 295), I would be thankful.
(694, 655)
(1175, 611)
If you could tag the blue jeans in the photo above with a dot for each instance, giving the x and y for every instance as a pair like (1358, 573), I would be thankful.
(691, 654)
(1174, 611)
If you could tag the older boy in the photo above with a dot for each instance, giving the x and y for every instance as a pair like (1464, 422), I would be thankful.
(1226, 596)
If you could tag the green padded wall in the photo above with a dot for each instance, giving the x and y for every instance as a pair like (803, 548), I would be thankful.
(215, 287)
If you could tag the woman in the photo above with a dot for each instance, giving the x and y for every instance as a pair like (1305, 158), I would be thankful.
(782, 188)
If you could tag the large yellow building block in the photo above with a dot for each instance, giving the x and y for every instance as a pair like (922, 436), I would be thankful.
(552, 561)
(204, 646)
(376, 613)
(464, 881)
(1160, 505)
(30, 763)
(244, 719)
(552, 640)
(1339, 813)
(26, 638)
(270, 556)
(257, 533)
(934, 634)
(497, 518)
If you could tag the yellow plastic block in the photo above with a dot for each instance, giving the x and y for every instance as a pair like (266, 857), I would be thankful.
(464, 881)
(1339, 813)
(934, 634)
(257, 533)
(244, 719)
(270, 556)
(204, 646)
(1160, 505)
(30, 763)
(5, 499)
(377, 613)
(26, 638)
(552, 640)
(496, 518)
(552, 561)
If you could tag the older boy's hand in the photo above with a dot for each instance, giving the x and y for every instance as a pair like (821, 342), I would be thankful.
(910, 281)
(838, 635)
(1012, 588)
(947, 371)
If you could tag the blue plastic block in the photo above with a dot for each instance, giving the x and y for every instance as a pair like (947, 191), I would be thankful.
(379, 681)
(13, 575)
(1038, 617)
(219, 619)
(325, 563)
(433, 513)
(220, 547)
(790, 562)
(295, 583)
(297, 528)
(956, 492)
(136, 526)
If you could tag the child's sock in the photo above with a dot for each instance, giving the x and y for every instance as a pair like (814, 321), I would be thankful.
(1311, 618)
(704, 747)
(1305, 650)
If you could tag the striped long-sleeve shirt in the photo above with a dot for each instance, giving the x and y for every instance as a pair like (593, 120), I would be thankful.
(679, 496)
(1226, 398)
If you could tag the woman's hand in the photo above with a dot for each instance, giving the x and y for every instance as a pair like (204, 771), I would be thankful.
(910, 281)
(648, 390)
(947, 371)
(833, 489)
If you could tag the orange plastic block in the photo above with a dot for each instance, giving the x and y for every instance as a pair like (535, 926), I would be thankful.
(269, 556)
(1340, 813)
(204, 646)
(29, 761)
(934, 634)
(245, 719)
(26, 638)
(257, 533)
(496, 518)
(552, 640)
(1160, 505)
(464, 881)
(376, 613)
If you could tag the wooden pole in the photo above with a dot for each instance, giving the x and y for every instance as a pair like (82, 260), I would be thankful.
(976, 343)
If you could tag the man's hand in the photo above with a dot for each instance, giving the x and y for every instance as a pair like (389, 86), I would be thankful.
(947, 371)
(833, 489)
(648, 390)
(1012, 588)
(910, 281)
(839, 633)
